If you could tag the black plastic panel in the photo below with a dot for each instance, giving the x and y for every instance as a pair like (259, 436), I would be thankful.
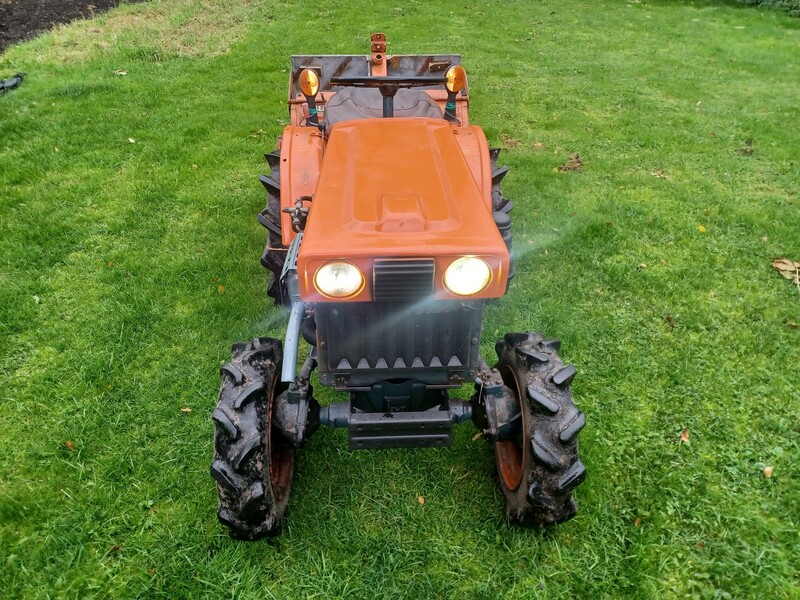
(407, 279)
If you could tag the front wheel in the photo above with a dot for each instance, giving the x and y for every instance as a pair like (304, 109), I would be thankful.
(538, 467)
(253, 463)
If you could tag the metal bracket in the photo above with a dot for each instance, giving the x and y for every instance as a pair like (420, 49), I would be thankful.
(377, 59)
(299, 213)
(496, 411)
(295, 412)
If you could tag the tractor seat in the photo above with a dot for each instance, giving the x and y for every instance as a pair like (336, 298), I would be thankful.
(366, 103)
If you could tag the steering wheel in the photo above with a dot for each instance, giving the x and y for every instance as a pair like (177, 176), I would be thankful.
(388, 82)
(388, 86)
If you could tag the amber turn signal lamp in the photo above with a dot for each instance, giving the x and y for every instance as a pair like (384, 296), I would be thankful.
(309, 83)
(456, 78)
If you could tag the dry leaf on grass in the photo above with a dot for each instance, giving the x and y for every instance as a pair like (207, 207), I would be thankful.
(186, 409)
(685, 437)
(421, 499)
(701, 228)
(120, 73)
(508, 141)
(790, 269)
(768, 472)
(748, 147)
(575, 163)
(69, 445)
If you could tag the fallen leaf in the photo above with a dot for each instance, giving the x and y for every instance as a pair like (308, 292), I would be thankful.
(421, 499)
(221, 289)
(152, 571)
(641, 266)
(575, 163)
(131, 140)
(685, 437)
(765, 239)
(637, 522)
(508, 141)
(477, 436)
(194, 166)
(186, 409)
(701, 228)
(114, 549)
(747, 150)
(538, 145)
(120, 73)
(792, 325)
(69, 445)
(768, 472)
(790, 269)
(700, 545)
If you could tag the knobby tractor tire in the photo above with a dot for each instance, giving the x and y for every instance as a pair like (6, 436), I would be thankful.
(253, 465)
(537, 474)
(274, 252)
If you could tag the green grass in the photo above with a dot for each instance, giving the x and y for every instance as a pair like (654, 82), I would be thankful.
(112, 318)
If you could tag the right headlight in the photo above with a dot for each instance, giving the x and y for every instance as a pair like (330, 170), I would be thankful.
(339, 279)
(467, 276)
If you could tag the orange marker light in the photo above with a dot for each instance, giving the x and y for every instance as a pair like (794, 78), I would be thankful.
(456, 78)
(309, 83)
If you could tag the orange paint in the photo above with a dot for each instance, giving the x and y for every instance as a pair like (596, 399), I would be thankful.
(394, 188)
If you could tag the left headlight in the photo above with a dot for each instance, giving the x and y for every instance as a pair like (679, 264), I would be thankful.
(339, 279)
(467, 276)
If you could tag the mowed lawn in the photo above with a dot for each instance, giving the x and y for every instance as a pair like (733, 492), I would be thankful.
(129, 263)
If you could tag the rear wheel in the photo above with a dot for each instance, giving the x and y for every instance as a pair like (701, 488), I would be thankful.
(253, 464)
(538, 467)
(274, 251)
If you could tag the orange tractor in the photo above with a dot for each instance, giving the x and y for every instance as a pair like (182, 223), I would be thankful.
(388, 234)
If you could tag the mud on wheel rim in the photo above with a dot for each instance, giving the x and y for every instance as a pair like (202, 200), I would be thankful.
(511, 455)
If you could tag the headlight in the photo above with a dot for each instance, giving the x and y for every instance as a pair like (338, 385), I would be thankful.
(338, 279)
(467, 276)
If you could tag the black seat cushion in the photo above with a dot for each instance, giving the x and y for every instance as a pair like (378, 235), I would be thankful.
(367, 103)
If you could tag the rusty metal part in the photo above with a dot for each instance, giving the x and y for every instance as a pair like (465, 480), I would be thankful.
(378, 54)
(496, 410)
(295, 411)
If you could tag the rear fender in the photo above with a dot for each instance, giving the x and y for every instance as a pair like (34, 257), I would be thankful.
(301, 159)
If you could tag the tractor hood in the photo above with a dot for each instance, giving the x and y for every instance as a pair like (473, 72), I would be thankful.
(393, 189)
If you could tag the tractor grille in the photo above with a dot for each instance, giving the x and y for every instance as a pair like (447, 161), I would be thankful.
(390, 335)
(406, 279)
